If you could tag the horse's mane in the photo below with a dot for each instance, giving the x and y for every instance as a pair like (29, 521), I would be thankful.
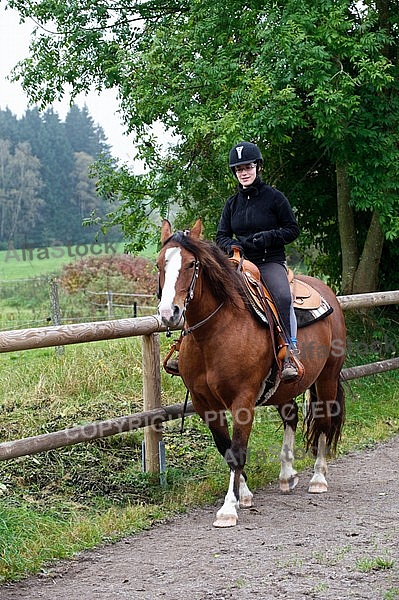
(218, 271)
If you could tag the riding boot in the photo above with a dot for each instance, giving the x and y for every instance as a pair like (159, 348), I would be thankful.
(292, 367)
(171, 361)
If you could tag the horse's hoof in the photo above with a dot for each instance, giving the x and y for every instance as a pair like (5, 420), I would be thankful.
(288, 485)
(225, 521)
(318, 485)
(246, 502)
(317, 488)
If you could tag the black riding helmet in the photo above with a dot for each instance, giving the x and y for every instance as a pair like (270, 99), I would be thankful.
(244, 153)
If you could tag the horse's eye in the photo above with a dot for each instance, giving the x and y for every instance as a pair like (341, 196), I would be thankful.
(191, 265)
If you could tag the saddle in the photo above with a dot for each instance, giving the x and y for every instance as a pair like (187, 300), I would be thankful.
(309, 304)
(303, 295)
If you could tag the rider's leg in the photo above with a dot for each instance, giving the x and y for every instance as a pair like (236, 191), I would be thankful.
(275, 277)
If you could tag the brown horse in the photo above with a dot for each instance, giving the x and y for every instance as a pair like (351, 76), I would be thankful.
(226, 358)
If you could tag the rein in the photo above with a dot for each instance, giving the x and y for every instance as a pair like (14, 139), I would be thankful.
(197, 325)
(190, 296)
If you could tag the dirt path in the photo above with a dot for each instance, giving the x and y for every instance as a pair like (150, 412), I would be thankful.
(300, 546)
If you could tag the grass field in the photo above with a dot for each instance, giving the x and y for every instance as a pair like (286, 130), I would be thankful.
(25, 277)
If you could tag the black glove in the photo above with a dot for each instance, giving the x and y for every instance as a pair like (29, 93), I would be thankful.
(262, 239)
(247, 243)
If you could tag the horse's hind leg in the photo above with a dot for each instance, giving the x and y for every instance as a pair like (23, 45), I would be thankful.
(245, 493)
(325, 419)
(318, 484)
(288, 478)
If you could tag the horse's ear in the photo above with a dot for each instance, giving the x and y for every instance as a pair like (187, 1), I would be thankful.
(196, 231)
(166, 230)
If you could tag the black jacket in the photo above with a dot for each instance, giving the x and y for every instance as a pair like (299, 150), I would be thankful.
(259, 208)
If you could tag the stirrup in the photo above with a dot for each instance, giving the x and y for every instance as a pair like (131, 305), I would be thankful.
(172, 366)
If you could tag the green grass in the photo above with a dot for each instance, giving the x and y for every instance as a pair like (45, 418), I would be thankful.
(392, 594)
(56, 503)
(19, 264)
(376, 563)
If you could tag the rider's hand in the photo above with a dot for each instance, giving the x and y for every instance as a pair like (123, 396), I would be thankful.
(262, 239)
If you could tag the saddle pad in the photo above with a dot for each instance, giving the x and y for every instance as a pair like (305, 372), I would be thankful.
(307, 316)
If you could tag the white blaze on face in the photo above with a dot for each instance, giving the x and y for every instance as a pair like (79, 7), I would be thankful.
(172, 269)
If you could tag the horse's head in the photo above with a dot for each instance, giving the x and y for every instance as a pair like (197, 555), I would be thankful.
(178, 272)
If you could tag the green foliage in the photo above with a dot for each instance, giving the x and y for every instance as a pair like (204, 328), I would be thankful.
(278, 73)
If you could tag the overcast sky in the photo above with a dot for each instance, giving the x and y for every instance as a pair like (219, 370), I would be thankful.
(14, 42)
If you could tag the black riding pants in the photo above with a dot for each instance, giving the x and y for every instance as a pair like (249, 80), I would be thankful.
(275, 278)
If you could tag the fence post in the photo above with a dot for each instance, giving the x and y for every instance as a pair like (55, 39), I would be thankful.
(152, 398)
(55, 311)
(110, 307)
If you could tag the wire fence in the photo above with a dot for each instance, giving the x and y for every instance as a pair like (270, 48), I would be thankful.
(27, 303)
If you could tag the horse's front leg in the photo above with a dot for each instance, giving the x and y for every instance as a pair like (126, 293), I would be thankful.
(227, 515)
(288, 477)
(238, 493)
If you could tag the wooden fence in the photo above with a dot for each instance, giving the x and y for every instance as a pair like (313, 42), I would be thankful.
(154, 414)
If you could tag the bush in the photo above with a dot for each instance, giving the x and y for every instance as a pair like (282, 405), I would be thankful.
(120, 272)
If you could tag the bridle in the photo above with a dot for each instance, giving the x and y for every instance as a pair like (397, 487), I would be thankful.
(191, 287)
(190, 295)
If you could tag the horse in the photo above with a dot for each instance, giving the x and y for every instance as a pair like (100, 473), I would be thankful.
(226, 356)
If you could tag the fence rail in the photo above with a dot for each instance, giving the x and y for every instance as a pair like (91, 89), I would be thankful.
(154, 414)
(77, 333)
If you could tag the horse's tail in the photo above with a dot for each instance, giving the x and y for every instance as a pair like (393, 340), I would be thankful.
(324, 417)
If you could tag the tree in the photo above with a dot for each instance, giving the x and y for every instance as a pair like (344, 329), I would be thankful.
(82, 134)
(9, 126)
(87, 202)
(280, 73)
(67, 189)
(20, 200)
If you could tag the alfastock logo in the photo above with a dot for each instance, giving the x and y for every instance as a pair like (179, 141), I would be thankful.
(57, 249)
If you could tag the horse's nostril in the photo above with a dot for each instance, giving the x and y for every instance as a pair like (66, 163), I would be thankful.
(176, 311)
